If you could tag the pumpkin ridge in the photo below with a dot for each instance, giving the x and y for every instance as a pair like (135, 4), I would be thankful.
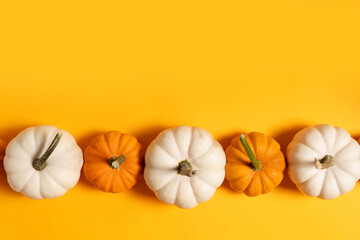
(315, 174)
(177, 188)
(104, 144)
(170, 155)
(320, 172)
(118, 184)
(264, 176)
(55, 154)
(329, 148)
(238, 178)
(93, 155)
(206, 181)
(117, 140)
(176, 143)
(108, 137)
(205, 152)
(192, 190)
(342, 148)
(53, 179)
(253, 143)
(48, 139)
(186, 144)
(133, 153)
(124, 145)
(273, 150)
(327, 173)
(342, 169)
(258, 149)
(323, 138)
(95, 173)
(126, 171)
(244, 181)
(170, 179)
(24, 149)
(27, 181)
(99, 182)
(274, 163)
(236, 187)
(238, 159)
(73, 167)
(247, 190)
(239, 168)
(108, 182)
(191, 141)
(132, 161)
(317, 153)
(263, 184)
(114, 183)
(339, 132)
(271, 178)
(18, 169)
(129, 179)
(336, 177)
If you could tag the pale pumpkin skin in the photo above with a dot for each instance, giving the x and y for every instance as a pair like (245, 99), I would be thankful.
(164, 156)
(63, 167)
(3, 145)
(338, 176)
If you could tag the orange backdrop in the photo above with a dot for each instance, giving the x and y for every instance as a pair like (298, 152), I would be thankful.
(142, 66)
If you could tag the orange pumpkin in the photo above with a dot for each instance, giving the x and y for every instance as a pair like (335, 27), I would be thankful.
(3, 145)
(254, 164)
(113, 161)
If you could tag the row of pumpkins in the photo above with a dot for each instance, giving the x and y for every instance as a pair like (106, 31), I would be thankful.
(183, 165)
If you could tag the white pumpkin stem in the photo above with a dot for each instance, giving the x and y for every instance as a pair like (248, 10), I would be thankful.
(115, 162)
(40, 163)
(185, 168)
(326, 162)
(256, 165)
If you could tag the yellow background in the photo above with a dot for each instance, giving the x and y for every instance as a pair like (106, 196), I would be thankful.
(142, 66)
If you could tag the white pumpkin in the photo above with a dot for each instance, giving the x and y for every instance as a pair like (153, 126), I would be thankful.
(324, 161)
(184, 166)
(43, 162)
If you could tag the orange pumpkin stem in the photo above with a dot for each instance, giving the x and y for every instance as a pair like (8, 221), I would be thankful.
(185, 168)
(256, 165)
(40, 163)
(115, 162)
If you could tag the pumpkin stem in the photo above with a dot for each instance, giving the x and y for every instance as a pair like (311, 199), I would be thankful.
(40, 163)
(256, 165)
(185, 168)
(115, 162)
(326, 162)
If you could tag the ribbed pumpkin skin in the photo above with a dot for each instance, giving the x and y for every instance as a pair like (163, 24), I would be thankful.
(242, 177)
(3, 145)
(97, 169)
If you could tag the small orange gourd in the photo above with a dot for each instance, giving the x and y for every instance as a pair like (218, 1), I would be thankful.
(113, 161)
(254, 164)
(3, 145)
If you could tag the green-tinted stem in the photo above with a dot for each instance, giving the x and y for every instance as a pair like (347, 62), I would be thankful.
(256, 165)
(186, 169)
(326, 162)
(115, 162)
(40, 163)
